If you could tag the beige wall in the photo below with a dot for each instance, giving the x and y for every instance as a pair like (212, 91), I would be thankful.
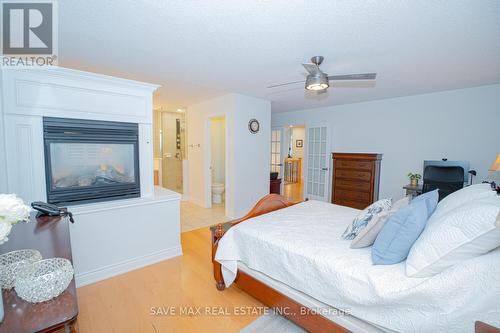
(218, 142)
(156, 133)
(298, 133)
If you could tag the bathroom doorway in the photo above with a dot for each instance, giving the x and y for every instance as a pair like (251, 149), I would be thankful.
(217, 166)
(293, 164)
(170, 149)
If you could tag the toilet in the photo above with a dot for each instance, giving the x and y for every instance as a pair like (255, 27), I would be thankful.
(217, 192)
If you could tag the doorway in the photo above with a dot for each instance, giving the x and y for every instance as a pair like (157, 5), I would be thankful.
(293, 164)
(217, 163)
(317, 162)
(171, 152)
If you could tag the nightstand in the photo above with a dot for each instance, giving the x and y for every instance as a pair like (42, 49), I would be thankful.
(413, 191)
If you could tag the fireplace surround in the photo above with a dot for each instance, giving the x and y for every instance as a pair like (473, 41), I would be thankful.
(90, 161)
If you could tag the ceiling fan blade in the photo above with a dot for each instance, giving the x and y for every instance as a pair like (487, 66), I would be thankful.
(312, 68)
(285, 84)
(365, 76)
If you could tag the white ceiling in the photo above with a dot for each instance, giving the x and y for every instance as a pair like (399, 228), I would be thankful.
(197, 49)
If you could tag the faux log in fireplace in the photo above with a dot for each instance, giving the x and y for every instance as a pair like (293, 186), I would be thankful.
(90, 161)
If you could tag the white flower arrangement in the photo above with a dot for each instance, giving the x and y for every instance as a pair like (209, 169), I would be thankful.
(12, 211)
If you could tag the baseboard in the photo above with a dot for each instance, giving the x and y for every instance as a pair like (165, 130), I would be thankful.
(106, 272)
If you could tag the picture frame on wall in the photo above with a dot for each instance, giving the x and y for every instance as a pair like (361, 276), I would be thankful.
(299, 143)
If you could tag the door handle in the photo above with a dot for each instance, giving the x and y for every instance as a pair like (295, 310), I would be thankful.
(324, 169)
(281, 164)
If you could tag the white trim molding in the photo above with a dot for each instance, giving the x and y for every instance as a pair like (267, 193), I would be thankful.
(125, 266)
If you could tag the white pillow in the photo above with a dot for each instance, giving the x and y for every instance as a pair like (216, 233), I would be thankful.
(463, 196)
(449, 238)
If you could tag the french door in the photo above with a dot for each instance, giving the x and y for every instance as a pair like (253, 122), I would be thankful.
(317, 163)
(276, 164)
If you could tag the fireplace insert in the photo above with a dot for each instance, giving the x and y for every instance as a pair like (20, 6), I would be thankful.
(90, 161)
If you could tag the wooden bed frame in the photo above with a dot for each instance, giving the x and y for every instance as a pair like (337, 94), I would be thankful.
(272, 298)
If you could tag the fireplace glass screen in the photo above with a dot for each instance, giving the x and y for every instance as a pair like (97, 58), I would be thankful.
(91, 164)
(90, 161)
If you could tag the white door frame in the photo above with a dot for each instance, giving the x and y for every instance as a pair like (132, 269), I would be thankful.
(328, 126)
(207, 159)
(282, 130)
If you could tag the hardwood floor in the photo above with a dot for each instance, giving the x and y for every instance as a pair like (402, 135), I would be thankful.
(124, 303)
(294, 191)
(195, 217)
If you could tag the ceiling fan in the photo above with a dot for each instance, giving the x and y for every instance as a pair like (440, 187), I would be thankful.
(318, 81)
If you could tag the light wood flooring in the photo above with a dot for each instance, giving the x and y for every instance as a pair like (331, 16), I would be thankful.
(124, 303)
(195, 217)
(294, 191)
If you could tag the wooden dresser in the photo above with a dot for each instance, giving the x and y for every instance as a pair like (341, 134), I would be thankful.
(355, 180)
(49, 235)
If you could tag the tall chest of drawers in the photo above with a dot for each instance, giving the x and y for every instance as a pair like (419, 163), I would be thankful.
(356, 178)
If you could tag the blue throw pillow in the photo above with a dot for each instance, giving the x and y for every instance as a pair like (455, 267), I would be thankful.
(396, 238)
(431, 200)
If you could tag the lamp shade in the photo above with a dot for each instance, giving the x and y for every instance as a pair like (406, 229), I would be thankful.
(317, 82)
(496, 164)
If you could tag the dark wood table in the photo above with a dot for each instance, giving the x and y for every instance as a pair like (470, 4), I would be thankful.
(50, 236)
(413, 190)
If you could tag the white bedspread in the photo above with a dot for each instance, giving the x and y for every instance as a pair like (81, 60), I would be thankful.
(301, 247)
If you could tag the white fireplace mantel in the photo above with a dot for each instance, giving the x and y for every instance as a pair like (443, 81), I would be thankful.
(30, 94)
(106, 238)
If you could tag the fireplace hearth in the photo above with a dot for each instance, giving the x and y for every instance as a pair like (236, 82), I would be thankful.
(90, 161)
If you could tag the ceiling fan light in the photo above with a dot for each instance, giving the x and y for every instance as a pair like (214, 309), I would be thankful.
(317, 83)
(317, 86)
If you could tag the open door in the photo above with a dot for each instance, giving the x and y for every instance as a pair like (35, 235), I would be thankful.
(276, 147)
(317, 163)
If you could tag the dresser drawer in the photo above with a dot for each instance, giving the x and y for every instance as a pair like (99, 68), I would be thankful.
(352, 195)
(349, 164)
(353, 174)
(352, 203)
(353, 185)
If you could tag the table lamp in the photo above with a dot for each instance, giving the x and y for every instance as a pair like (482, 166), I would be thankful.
(496, 164)
(495, 167)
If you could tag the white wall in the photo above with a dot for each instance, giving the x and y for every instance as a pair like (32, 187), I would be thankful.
(250, 154)
(107, 240)
(247, 155)
(218, 149)
(3, 157)
(458, 124)
(298, 133)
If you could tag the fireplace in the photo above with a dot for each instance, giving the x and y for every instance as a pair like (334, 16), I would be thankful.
(90, 161)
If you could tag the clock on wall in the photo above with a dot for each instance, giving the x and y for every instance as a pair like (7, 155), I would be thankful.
(253, 126)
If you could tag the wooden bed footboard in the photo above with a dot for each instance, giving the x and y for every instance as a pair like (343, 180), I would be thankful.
(269, 203)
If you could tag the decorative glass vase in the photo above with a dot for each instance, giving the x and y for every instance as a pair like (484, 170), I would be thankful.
(11, 262)
(43, 280)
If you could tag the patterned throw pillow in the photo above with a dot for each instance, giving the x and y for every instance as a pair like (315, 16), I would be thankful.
(366, 215)
(366, 236)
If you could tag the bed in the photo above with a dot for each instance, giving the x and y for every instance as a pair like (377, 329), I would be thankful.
(291, 256)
